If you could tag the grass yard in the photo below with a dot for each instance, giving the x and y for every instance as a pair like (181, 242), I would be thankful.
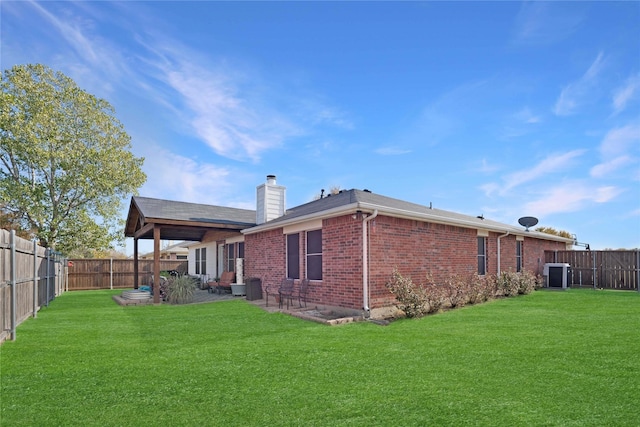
(550, 358)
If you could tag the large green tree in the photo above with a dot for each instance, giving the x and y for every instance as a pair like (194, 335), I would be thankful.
(65, 160)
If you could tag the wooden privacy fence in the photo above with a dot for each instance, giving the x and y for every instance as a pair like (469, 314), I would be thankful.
(601, 269)
(30, 277)
(86, 274)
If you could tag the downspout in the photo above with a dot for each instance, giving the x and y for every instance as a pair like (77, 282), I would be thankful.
(365, 263)
(500, 237)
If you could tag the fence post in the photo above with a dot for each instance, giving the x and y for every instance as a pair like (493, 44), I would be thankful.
(638, 270)
(111, 273)
(595, 271)
(35, 279)
(12, 244)
(48, 254)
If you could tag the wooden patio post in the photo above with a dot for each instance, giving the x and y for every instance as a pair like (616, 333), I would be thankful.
(156, 264)
(135, 263)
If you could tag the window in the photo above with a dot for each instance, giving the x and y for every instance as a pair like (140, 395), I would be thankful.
(314, 255)
(201, 261)
(518, 256)
(241, 250)
(293, 255)
(482, 256)
(231, 257)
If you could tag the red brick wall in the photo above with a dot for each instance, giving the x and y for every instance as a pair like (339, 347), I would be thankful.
(533, 253)
(341, 262)
(415, 248)
(265, 256)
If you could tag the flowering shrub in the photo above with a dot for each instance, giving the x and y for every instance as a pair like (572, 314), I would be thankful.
(412, 298)
(456, 290)
(508, 284)
(511, 284)
(417, 300)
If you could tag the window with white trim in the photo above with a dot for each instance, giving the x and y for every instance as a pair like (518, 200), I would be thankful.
(201, 261)
(518, 256)
(231, 257)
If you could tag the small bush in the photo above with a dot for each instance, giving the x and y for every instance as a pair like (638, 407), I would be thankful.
(412, 299)
(417, 300)
(488, 287)
(436, 296)
(507, 283)
(180, 290)
(512, 284)
(456, 290)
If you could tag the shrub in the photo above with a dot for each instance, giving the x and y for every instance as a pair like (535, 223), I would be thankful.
(412, 299)
(528, 283)
(511, 284)
(488, 287)
(507, 284)
(180, 290)
(456, 290)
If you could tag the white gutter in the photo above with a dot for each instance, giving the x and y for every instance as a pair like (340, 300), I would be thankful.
(500, 237)
(365, 263)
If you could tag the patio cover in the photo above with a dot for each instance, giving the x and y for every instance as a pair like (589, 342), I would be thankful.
(159, 219)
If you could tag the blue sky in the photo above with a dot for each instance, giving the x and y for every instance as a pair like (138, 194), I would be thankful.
(505, 109)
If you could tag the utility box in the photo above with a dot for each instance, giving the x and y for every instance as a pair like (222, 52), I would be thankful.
(254, 288)
(557, 275)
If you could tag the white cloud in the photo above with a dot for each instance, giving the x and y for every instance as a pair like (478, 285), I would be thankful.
(526, 116)
(545, 22)
(552, 163)
(576, 93)
(520, 123)
(620, 140)
(92, 59)
(176, 177)
(391, 151)
(570, 197)
(617, 150)
(486, 167)
(603, 169)
(223, 110)
(626, 93)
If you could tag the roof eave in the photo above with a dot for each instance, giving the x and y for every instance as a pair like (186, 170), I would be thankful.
(401, 213)
(329, 213)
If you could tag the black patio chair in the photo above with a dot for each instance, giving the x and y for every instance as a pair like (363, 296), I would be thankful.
(303, 290)
(286, 292)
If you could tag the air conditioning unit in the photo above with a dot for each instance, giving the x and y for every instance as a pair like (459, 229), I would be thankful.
(557, 275)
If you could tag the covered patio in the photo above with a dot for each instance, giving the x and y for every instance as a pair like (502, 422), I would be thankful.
(158, 219)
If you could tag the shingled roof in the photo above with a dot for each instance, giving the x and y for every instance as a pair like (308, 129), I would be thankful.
(350, 201)
(182, 220)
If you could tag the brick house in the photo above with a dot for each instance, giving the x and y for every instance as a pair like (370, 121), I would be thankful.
(348, 244)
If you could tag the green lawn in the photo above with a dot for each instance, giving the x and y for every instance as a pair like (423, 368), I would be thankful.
(550, 358)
